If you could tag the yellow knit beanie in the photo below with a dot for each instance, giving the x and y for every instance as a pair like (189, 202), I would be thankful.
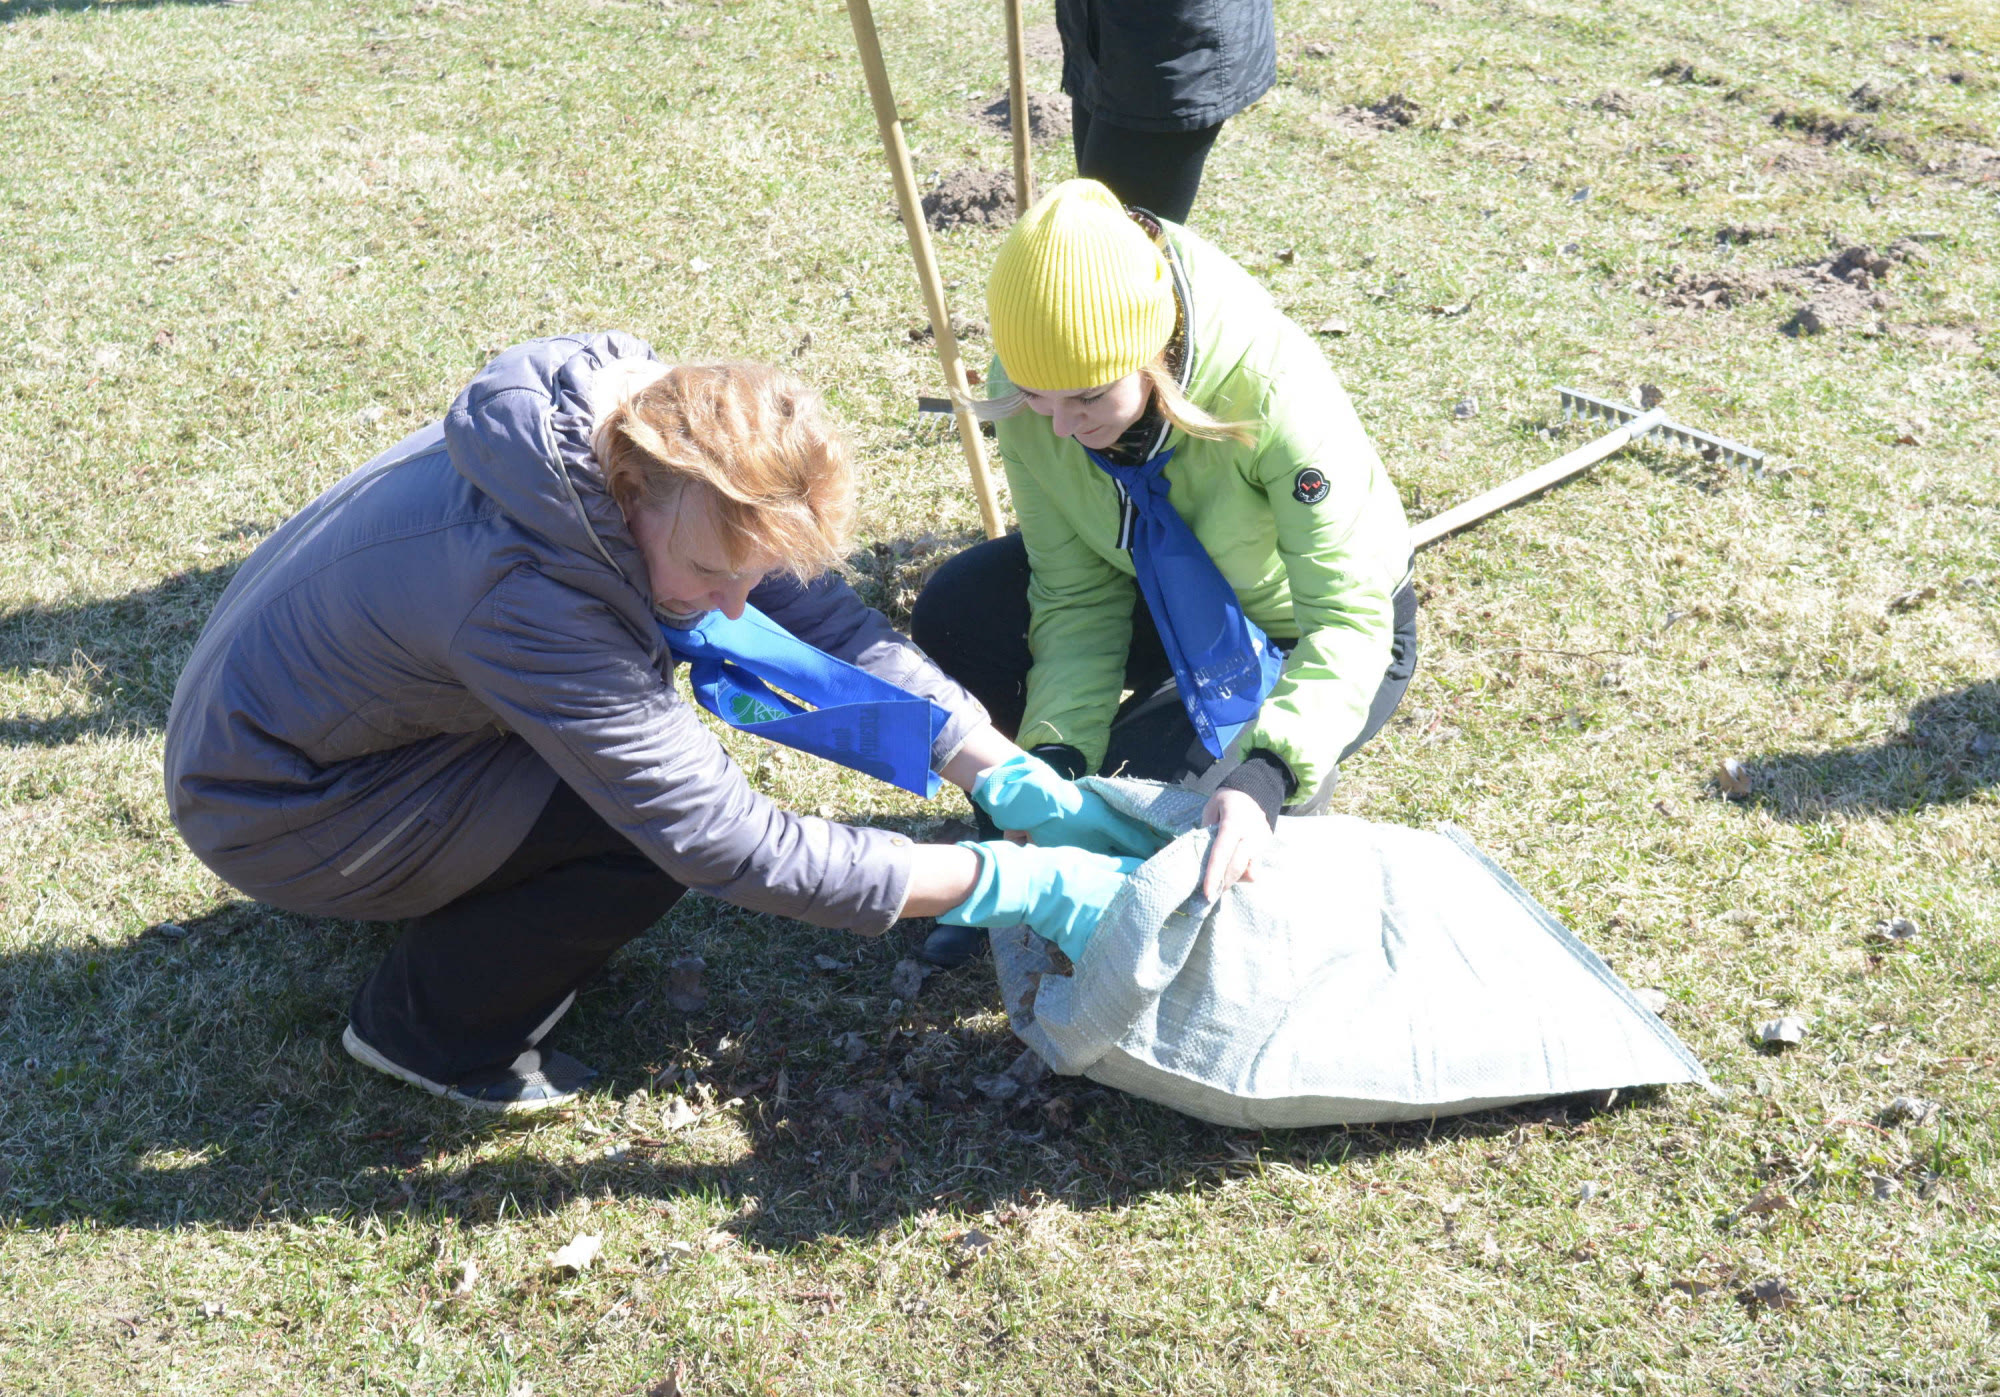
(1079, 296)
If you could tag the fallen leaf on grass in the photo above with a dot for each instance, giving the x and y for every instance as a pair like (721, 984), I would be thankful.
(1733, 779)
(677, 1114)
(1652, 1000)
(684, 989)
(1783, 1032)
(670, 1385)
(998, 1087)
(1912, 599)
(1772, 1294)
(1332, 325)
(1694, 1287)
(829, 963)
(1768, 1200)
(468, 1277)
(1910, 1110)
(906, 981)
(1893, 931)
(576, 1257)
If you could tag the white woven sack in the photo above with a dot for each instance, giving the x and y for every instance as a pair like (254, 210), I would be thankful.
(1371, 972)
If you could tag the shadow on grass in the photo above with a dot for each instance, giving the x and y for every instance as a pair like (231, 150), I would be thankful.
(119, 657)
(1948, 752)
(193, 1075)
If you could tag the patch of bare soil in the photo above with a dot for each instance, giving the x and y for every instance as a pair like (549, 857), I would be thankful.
(1841, 291)
(1827, 129)
(970, 198)
(1048, 115)
(1952, 339)
(1740, 233)
(1792, 158)
(1975, 164)
(1042, 43)
(1392, 113)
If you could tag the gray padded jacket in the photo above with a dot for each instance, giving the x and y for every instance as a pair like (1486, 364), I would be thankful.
(396, 678)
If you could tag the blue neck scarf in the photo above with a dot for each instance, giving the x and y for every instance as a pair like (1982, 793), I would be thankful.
(1223, 662)
(738, 669)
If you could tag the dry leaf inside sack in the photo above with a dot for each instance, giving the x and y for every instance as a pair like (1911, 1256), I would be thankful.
(576, 1256)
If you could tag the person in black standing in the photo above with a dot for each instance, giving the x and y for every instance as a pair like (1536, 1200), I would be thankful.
(1150, 84)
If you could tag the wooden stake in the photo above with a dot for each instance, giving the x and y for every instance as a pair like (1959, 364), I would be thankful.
(891, 126)
(1017, 107)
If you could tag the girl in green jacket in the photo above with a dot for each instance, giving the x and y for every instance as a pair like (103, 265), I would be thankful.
(1204, 523)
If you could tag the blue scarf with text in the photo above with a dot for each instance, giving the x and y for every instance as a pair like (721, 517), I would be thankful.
(1223, 662)
(757, 676)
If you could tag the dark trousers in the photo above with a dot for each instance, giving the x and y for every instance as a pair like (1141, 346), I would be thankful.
(972, 620)
(1158, 171)
(474, 983)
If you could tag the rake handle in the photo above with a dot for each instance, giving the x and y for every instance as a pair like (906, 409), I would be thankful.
(891, 127)
(1533, 483)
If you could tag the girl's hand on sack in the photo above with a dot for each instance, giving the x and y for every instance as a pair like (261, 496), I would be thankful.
(1241, 835)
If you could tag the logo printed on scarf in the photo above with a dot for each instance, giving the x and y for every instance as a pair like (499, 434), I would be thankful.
(1309, 486)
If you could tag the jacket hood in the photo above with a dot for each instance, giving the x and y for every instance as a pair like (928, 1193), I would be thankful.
(521, 433)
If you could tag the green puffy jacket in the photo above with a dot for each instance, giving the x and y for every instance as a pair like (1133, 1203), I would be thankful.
(1303, 522)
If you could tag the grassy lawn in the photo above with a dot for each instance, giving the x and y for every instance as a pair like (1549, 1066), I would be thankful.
(243, 247)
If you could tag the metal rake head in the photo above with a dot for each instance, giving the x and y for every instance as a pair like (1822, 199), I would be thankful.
(1710, 447)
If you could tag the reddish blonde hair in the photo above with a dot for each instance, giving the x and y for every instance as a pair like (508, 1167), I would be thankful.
(777, 471)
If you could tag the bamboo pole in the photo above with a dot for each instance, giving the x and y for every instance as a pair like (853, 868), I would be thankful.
(1017, 107)
(891, 126)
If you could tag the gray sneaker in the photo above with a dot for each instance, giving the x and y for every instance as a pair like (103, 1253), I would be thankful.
(536, 1080)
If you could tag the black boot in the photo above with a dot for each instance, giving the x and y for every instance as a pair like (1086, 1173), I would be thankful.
(949, 947)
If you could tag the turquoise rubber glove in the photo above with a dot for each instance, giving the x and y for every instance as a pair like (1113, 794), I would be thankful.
(1026, 793)
(1060, 894)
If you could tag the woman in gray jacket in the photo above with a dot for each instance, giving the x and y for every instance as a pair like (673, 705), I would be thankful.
(440, 695)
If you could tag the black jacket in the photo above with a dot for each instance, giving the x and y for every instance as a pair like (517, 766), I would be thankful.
(1167, 65)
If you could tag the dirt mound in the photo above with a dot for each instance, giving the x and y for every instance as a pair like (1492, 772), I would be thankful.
(1392, 113)
(1749, 232)
(1826, 129)
(1841, 291)
(1048, 116)
(1975, 164)
(976, 198)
